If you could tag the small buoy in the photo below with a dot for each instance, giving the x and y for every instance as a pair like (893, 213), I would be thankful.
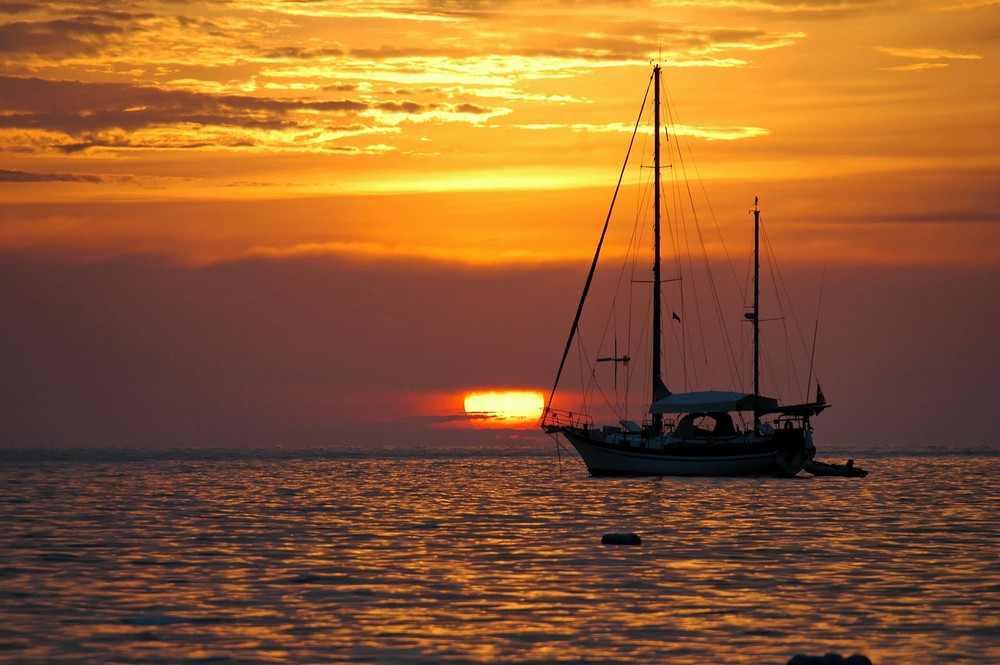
(621, 539)
(829, 659)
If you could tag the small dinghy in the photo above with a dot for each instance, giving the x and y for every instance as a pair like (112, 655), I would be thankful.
(823, 469)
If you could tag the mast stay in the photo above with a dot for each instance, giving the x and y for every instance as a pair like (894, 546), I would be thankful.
(600, 244)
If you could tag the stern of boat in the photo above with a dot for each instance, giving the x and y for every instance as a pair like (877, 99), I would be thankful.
(794, 446)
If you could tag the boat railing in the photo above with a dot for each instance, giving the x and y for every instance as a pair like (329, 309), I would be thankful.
(556, 418)
(668, 425)
(789, 422)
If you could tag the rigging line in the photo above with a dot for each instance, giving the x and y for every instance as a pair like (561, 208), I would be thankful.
(780, 303)
(641, 227)
(680, 224)
(746, 342)
(780, 279)
(676, 226)
(733, 365)
(560, 446)
(586, 365)
(637, 263)
(812, 354)
(611, 323)
(585, 382)
(766, 367)
(675, 223)
(717, 300)
(633, 262)
(721, 319)
(708, 201)
(592, 386)
(597, 253)
(628, 267)
(643, 364)
(713, 287)
(720, 315)
(688, 256)
(684, 343)
(616, 409)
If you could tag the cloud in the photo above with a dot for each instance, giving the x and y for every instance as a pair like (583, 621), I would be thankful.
(69, 31)
(300, 53)
(380, 251)
(926, 53)
(75, 106)
(968, 4)
(916, 67)
(401, 107)
(25, 176)
(17, 7)
(72, 116)
(185, 101)
(390, 114)
(77, 36)
(731, 133)
(808, 8)
(76, 115)
(472, 108)
(923, 54)
(458, 417)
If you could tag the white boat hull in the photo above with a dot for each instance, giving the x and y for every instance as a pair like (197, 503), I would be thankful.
(781, 454)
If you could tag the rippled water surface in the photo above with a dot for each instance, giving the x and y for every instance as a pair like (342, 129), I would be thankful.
(426, 557)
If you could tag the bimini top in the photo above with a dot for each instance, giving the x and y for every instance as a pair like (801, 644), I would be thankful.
(712, 401)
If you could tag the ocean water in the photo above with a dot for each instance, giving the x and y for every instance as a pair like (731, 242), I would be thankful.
(484, 556)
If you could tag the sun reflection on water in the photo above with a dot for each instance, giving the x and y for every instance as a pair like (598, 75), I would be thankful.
(413, 558)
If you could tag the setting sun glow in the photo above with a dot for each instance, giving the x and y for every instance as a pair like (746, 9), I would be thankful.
(506, 409)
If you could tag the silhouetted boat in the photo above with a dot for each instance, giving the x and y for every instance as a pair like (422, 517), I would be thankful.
(709, 433)
(818, 468)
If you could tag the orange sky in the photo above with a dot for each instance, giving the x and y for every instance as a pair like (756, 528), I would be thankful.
(230, 157)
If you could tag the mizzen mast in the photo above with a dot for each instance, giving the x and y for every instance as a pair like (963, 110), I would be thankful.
(755, 317)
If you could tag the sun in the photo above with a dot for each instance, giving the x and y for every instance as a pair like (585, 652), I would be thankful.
(509, 409)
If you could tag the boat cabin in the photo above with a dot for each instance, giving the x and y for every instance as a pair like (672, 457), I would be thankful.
(705, 426)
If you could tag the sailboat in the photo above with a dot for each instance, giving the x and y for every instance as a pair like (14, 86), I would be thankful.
(700, 433)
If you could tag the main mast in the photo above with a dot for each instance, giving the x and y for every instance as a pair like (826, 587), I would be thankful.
(658, 385)
(756, 311)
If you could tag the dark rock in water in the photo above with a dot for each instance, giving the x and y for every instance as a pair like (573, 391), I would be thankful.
(621, 539)
(829, 659)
